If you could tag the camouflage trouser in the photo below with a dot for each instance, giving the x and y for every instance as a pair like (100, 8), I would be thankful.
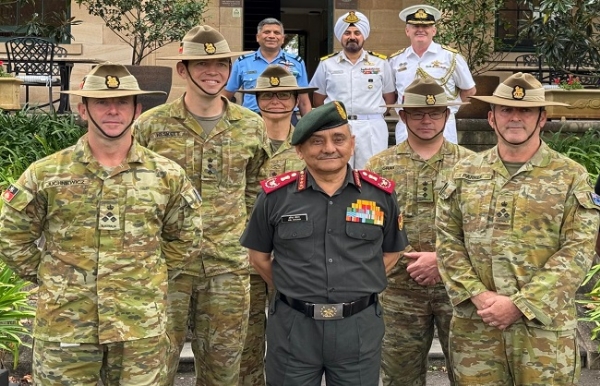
(134, 363)
(217, 312)
(252, 367)
(410, 315)
(519, 355)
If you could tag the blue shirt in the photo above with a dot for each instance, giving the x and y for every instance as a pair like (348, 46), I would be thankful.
(247, 68)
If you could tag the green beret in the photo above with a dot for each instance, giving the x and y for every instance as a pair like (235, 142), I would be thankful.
(328, 116)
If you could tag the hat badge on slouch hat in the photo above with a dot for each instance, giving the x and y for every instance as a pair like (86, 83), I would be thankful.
(519, 90)
(425, 92)
(274, 81)
(109, 80)
(203, 42)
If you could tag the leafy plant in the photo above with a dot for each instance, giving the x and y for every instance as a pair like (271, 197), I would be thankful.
(26, 137)
(468, 25)
(57, 28)
(147, 25)
(14, 310)
(565, 33)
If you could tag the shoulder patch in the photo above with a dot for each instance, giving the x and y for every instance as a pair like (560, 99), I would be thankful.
(377, 180)
(329, 56)
(272, 184)
(397, 53)
(380, 56)
(448, 48)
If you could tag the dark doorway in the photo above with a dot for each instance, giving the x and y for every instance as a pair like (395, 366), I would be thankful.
(254, 12)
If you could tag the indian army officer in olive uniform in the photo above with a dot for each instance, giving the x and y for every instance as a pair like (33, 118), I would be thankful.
(116, 219)
(276, 95)
(415, 300)
(332, 232)
(516, 227)
(221, 146)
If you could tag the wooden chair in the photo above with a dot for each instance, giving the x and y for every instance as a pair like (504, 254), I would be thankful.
(31, 59)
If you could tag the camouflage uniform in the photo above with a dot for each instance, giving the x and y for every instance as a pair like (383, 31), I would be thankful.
(111, 238)
(411, 309)
(530, 237)
(284, 159)
(224, 166)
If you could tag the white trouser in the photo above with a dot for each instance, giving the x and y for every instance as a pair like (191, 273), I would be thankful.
(449, 130)
(371, 136)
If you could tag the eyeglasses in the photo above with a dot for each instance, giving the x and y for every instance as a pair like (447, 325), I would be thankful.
(435, 115)
(281, 95)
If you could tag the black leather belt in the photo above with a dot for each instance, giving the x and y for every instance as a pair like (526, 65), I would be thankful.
(329, 311)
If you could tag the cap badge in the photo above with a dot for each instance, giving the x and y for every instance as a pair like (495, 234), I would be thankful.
(351, 18)
(340, 110)
(430, 99)
(421, 14)
(274, 81)
(209, 48)
(518, 93)
(112, 81)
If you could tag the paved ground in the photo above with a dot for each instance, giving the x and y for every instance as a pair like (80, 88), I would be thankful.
(435, 377)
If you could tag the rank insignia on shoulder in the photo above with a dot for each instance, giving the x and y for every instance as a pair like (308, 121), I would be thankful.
(272, 184)
(380, 56)
(377, 180)
(10, 193)
(448, 48)
(329, 56)
(397, 53)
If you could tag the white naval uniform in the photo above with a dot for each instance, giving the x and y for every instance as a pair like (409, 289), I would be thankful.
(360, 87)
(441, 63)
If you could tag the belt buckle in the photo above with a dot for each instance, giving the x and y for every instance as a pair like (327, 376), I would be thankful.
(328, 311)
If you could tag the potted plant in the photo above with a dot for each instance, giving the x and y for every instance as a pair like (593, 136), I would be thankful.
(10, 90)
(468, 26)
(147, 25)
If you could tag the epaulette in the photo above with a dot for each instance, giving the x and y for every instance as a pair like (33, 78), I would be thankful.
(447, 48)
(329, 56)
(375, 180)
(272, 184)
(380, 56)
(298, 58)
(247, 55)
(397, 53)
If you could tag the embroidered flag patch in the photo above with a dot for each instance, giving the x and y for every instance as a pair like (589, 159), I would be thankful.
(366, 212)
(10, 193)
